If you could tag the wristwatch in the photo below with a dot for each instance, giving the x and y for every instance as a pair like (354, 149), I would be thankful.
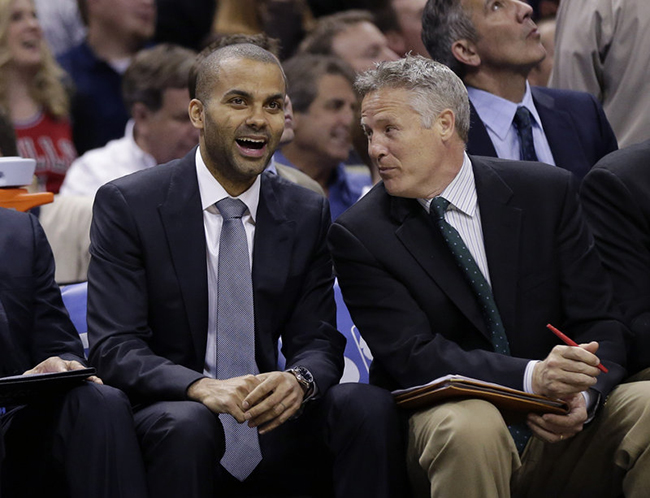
(305, 379)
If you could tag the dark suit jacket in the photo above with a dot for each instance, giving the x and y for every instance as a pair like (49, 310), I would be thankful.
(148, 295)
(34, 324)
(419, 315)
(575, 125)
(616, 198)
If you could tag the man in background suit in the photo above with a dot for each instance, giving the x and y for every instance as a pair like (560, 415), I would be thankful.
(527, 260)
(616, 199)
(154, 312)
(78, 444)
(493, 46)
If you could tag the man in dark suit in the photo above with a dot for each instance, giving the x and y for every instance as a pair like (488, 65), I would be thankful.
(493, 46)
(616, 199)
(156, 308)
(78, 444)
(527, 260)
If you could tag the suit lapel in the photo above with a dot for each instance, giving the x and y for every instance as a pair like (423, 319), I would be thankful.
(425, 243)
(501, 234)
(479, 142)
(559, 130)
(182, 218)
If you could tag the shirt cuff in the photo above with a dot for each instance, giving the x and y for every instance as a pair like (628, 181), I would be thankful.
(528, 376)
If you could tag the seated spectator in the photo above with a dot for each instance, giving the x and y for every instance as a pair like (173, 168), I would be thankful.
(155, 91)
(324, 110)
(117, 29)
(616, 199)
(32, 92)
(493, 52)
(350, 35)
(76, 444)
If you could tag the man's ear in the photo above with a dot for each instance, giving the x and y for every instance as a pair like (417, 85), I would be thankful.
(196, 113)
(446, 124)
(465, 52)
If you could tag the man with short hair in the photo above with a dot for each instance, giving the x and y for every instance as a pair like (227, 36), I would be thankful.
(117, 30)
(155, 91)
(350, 35)
(324, 109)
(493, 45)
(198, 268)
(454, 264)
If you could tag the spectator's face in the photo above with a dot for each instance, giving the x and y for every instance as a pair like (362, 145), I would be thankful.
(361, 45)
(241, 122)
(132, 18)
(406, 154)
(168, 132)
(325, 129)
(508, 37)
(409, 18)
(24, 35)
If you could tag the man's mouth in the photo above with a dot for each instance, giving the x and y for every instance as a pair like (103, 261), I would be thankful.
(252, 147)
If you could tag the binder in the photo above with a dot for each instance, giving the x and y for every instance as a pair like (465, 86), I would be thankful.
(23, 389)
(513, 404)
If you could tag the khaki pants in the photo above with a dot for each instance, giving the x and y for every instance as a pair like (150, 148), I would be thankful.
(463, 449)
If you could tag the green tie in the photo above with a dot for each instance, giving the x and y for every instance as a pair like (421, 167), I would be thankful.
(520, 432)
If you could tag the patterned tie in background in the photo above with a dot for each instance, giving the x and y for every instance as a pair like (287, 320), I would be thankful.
(483, 292)
(236, 333)
(524, 125)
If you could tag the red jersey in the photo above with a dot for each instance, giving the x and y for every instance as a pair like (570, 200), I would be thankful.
(49, 141)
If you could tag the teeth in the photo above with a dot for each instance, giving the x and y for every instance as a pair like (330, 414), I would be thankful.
(253, 140)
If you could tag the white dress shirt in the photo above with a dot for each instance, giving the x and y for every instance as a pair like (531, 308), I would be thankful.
(212, 192)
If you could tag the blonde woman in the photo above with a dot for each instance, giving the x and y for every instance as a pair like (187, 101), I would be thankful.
(32, 92)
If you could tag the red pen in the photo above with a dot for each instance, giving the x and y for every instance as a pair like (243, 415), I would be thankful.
(570, 342)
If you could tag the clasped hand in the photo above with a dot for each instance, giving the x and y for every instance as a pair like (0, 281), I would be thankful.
(264, 401)
(565, 373)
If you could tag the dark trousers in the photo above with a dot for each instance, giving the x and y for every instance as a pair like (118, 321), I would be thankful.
(80, 445)
(348, 444)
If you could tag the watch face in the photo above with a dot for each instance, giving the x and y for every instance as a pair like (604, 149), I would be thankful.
(305, 374)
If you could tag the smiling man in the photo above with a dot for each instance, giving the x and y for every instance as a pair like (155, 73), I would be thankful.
(454, 264)
(325, 107)
(493, 45)
(198, 267)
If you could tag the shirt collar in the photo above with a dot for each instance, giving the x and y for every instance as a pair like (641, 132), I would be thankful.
(144, 157)
(496, 112)
(211, 190)
(461, 192)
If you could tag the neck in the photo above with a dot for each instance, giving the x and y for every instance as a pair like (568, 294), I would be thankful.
(311, 164)
(19, 101)
(510, 86)
(109, 47)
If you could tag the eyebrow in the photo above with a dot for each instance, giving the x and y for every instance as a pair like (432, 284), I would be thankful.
(248, 95)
